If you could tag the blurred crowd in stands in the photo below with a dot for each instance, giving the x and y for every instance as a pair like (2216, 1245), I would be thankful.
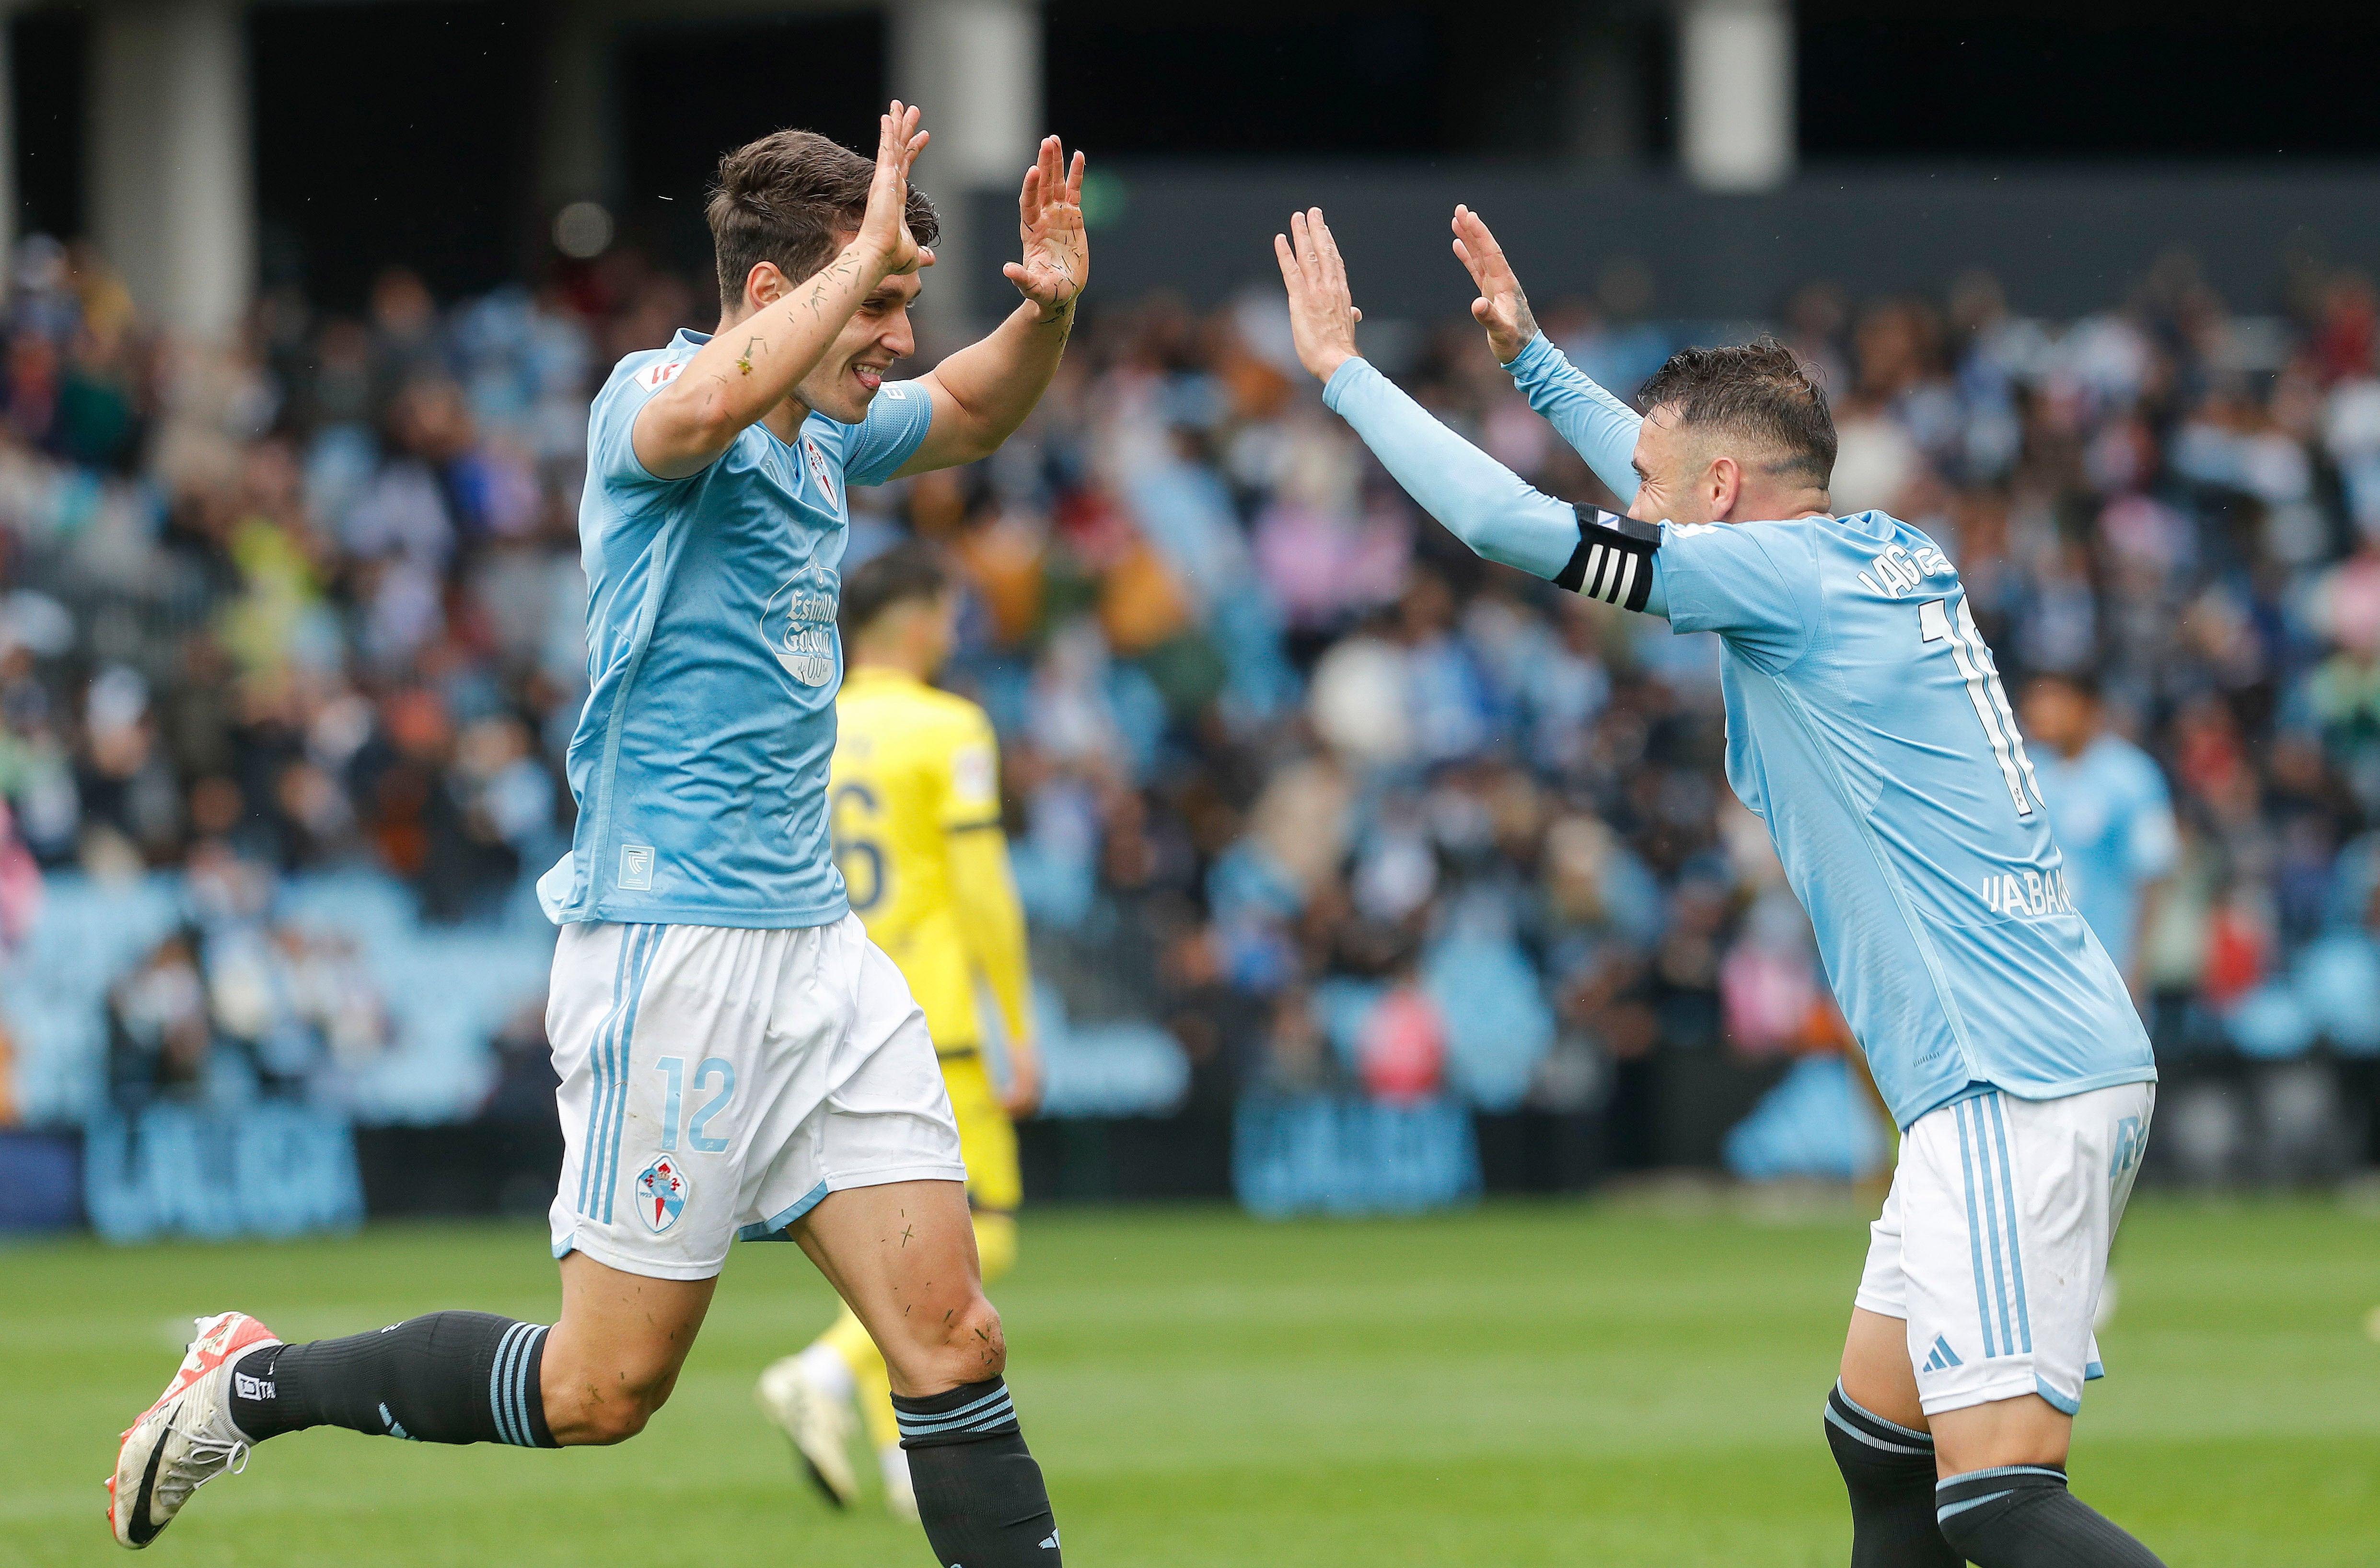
(1290, 775)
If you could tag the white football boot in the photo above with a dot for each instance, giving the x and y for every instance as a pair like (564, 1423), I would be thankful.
(185, 1439)
(900, 1491)
(818, 1423)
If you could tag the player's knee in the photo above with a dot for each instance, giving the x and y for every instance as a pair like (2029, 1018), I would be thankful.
(615, 1419)
(602, 1405)
(967, 1347)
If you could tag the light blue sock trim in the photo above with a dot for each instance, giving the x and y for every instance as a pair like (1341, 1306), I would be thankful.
(1942, 1516)
(2001, 1470)
(500, 1379)
(930, 1425)
(1910, 1433)
(1873, 1442)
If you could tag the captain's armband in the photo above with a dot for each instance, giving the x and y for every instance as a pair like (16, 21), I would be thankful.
(1614, 558)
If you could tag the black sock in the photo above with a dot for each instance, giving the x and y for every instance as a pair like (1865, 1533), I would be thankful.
(980, 1494)
(451, 1377)
(2022, 1516)
(1890, 1471)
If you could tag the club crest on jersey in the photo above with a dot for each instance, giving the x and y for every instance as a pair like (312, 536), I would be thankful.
(661, 1191)
(798, 624)
(818, 469)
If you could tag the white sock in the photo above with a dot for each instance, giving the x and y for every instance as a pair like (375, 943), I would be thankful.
(829, 1372)
(895, 1460)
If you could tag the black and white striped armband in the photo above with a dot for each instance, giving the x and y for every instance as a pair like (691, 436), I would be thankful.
(1614, 558)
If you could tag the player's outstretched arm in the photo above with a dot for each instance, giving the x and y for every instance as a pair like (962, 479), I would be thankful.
(985, 391)
(1598, 425)
(743, 372)
(1485, 504)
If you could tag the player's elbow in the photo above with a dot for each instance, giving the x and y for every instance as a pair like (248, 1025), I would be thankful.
(686, 434)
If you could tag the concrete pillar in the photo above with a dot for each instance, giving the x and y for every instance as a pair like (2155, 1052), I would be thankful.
(1735, 92)
(577, 141)
(9, 197)
(170, 181)
(974, 66)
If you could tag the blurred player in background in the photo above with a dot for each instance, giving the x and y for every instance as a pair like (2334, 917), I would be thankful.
(2114, 815)
(1866, 725)
(915, 813)
(738, 1059)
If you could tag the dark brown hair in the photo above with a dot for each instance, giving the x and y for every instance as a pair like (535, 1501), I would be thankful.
(1757, 390)
(783, 198)
(910, 570)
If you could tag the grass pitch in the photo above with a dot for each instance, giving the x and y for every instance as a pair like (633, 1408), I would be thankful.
(1613, 1383)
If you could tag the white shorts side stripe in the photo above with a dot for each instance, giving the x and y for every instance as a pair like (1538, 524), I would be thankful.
(1974, 1225)
(2016, 1255)
(1995, 1231)
(623, 1056)
(595, 1103)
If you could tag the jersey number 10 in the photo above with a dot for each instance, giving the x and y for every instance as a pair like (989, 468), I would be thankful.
(1983, 678)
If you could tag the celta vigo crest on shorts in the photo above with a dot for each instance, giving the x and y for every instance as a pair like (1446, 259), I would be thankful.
(661, 1191)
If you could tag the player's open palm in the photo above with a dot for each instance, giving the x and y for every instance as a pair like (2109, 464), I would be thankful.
(1050, 222)
(1501, 308)
(1323, 313)
(884, 227)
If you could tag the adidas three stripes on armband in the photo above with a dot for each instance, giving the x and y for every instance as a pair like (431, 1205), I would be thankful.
(1614, 558)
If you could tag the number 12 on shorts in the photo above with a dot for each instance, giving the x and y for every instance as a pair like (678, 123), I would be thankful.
(673, 1071)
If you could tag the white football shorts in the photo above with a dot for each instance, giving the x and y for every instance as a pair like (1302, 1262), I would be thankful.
(718, 1082)
(1993, 1243)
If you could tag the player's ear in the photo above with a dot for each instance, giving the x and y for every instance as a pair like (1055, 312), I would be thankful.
(763, 287)
(1725, 483)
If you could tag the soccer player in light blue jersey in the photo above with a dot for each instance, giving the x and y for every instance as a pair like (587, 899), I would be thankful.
(738, 1059)
(1867, 724)
(2113, 814)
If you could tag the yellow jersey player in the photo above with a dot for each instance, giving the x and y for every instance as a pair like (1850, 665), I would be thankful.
(915, 810)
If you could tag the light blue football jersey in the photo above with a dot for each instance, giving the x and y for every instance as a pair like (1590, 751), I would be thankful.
(699, 762)
(2115, 822)
(1867, 725)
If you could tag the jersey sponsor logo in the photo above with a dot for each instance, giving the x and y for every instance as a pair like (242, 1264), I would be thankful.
(661, 1192)
(653, 376)
(818, 469)
(2029, 893)
(1896, 571)
(637, 867)
(798, 624)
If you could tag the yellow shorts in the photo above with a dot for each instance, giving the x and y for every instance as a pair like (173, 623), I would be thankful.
(987, 1139)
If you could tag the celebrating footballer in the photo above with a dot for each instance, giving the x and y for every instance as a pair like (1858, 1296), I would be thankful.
(738, 1059)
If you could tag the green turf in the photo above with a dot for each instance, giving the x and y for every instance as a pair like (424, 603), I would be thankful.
(1615, 1384)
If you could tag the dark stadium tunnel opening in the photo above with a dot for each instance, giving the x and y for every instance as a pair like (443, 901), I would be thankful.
(393, 135)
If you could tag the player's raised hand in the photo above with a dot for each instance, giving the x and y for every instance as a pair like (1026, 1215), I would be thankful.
(1501, 308)
(884, 228)
(1050, 222)
(1323, 313)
